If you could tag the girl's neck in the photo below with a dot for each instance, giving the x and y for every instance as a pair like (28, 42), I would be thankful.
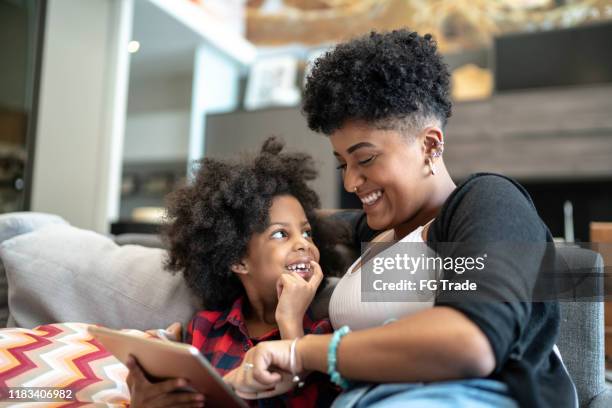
(259, 317)
(259, 311)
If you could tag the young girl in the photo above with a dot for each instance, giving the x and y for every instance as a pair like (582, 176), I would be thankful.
(242, 234)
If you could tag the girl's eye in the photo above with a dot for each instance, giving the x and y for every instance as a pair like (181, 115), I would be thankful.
(368, 160)
(307, 234)
(279, 234)
(341, 166)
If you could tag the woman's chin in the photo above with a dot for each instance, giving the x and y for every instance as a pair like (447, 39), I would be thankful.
(378, 222)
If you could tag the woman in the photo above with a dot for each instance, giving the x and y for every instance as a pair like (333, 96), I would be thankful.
(384, 101)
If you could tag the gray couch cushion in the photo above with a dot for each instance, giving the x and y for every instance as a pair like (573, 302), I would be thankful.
(59, 273)
(11, 225)
(581, 337)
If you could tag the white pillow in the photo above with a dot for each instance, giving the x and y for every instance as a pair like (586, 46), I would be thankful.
(60, 273)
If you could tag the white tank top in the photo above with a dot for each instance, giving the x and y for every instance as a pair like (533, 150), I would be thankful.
(346, 308)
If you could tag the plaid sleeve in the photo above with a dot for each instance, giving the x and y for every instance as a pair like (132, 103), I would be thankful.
(321, 327)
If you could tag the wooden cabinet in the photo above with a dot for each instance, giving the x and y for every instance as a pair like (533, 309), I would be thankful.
(601, 232)
(555, 134)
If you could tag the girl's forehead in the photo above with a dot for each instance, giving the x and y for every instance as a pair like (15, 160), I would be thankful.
(284, 206)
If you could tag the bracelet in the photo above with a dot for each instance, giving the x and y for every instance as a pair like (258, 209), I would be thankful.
(296, 378)
(332, 353)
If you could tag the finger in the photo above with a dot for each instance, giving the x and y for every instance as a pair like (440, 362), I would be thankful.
(152, 332)
(264, 379)
(175, 329)
(174, 399)
(287, 278)
(135, 371)
(252, 382)
(157, 390)
(317, 276)
(282, 387)
(241, 379)
(287, 283)
(262, 373)
(279, 287)
(246, 395)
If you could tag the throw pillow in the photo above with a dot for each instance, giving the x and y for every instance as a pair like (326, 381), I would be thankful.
(66, 360)
(11, 225)
(60, 273)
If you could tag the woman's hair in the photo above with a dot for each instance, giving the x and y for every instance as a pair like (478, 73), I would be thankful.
(389, 80)
(212, 219)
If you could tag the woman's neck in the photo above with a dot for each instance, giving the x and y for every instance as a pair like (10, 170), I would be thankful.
(443, 187)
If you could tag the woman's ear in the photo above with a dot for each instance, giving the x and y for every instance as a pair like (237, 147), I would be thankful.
(240, 268)
(433, 140)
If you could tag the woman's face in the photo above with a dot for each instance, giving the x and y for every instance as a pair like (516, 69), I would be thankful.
(284, 246)
(389, 171)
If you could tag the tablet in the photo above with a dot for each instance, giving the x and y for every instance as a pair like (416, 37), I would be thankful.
(164, 359)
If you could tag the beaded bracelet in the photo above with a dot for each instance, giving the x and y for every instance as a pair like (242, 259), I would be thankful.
(332, 352)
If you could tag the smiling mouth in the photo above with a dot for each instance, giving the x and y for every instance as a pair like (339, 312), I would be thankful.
(371, 198)
(302, 269)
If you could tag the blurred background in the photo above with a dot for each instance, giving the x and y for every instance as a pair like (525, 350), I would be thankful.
(105, 104)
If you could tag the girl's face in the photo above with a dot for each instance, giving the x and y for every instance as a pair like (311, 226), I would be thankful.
(390, 172)
(284, 246)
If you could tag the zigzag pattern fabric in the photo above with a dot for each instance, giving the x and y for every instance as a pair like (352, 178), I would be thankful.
(63, 356)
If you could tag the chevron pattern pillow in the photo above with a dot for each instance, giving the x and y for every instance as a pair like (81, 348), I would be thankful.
(60, 357)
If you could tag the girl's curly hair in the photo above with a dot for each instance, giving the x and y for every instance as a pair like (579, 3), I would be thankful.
(212, 219)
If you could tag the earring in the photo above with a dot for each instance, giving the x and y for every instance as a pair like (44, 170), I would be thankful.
(439, 149)
(355, 189)
(436, 152)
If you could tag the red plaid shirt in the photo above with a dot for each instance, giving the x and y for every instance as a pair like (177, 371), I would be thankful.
(222, 337)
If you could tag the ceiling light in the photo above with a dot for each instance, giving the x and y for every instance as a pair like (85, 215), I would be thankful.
(133, 46)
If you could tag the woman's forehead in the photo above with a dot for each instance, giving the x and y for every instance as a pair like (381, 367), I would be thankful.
(351, 138)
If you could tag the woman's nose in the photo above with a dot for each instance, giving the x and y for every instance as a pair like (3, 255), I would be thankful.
(352, 179)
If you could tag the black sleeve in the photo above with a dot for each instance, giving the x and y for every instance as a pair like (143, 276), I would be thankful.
(492, 210)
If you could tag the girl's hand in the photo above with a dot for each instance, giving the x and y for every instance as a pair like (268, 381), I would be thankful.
(172, 332)
(264, 371)
(295, 295)
(144, 393)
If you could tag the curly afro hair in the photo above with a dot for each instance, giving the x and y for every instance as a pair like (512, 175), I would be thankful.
(376, 78)
(212, 219)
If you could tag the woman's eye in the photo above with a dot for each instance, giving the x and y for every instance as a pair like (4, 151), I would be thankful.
(279, 234)
(368, 160)
(341, 166)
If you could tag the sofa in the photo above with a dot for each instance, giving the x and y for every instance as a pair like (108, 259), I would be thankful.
(59, 273)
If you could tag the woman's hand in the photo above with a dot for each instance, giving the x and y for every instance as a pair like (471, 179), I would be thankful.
(144, 393)
(265, 371)
(295, 294)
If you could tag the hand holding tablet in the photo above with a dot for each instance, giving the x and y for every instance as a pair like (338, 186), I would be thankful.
(161, 359)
